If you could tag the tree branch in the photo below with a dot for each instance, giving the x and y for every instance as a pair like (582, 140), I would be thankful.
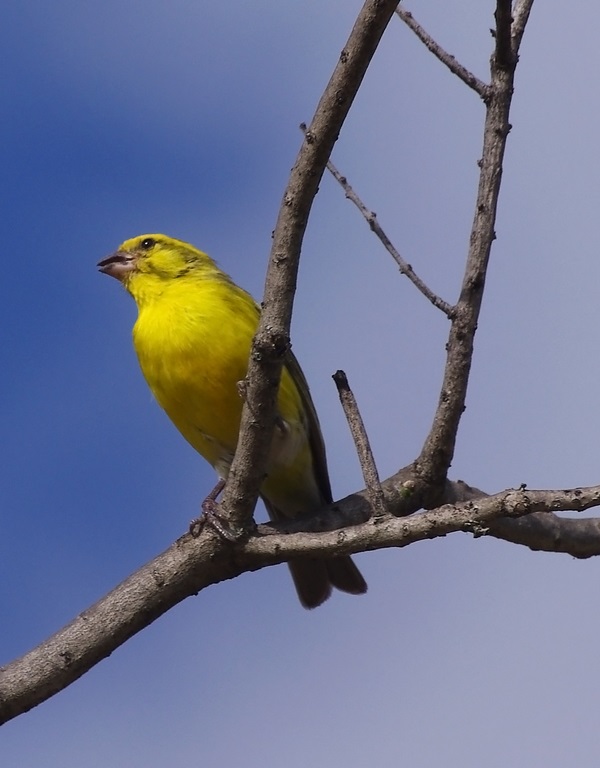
(546, 532)
(272, 337)
(447, 59)
(191, 564)
(521, 13)
(438, 449)
(371, 219)
(361, 443)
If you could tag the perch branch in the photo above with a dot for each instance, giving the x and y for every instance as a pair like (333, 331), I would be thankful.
(191, 564)
(272, 337)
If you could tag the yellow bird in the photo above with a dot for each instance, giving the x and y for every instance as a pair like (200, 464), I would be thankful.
(192, 337)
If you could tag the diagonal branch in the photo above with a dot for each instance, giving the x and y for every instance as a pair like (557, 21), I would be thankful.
(191, 564)
(446, 58)
(361, 443)
(521, 12)
(371, 219)
(272, 338)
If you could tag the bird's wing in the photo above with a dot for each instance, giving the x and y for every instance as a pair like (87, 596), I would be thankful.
(315, 437)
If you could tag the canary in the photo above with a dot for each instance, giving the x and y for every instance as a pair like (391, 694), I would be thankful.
(192, 337)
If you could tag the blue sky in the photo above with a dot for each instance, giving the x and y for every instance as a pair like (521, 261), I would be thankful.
(182, 117)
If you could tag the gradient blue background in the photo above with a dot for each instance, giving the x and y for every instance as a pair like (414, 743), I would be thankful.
(128, 117)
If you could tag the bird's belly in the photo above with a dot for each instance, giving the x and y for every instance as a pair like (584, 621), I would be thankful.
(197, 384)
(200, 395)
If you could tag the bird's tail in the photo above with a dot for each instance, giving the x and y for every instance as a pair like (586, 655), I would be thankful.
(314, 578)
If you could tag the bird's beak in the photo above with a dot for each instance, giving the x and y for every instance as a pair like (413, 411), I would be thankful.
(118, 265)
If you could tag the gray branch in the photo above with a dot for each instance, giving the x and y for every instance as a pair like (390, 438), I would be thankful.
(361, 443)
(521, 11)
(446, 58)
(191, 564)
(272, 338)
(371, 219)
(438, 449)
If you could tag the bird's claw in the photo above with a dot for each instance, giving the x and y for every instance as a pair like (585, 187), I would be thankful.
(211, 517)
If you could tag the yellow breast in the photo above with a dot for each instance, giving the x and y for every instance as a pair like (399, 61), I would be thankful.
(193, 344)
(193, 347)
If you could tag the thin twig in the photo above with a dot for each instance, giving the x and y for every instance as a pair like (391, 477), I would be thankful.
(371, 219)
(481, 88)
(272, 337)
(361, 443)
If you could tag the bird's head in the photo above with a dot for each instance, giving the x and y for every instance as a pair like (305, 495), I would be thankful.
(147, 264)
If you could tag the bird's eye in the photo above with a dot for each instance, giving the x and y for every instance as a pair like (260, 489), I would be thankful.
(148, 243)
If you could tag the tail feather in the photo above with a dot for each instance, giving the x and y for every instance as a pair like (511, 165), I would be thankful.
(315, 577)
(344, 575)
(311, 581)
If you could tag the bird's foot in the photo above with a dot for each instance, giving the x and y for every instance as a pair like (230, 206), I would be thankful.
(210, 515)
